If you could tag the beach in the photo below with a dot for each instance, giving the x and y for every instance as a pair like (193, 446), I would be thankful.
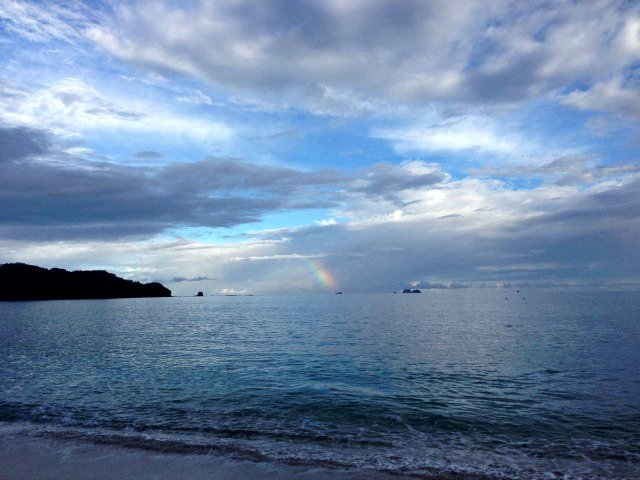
(24, 457)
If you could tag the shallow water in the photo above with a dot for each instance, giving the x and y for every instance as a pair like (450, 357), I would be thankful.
(460, 381)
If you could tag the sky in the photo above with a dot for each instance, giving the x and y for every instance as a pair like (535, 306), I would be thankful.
(283, 146)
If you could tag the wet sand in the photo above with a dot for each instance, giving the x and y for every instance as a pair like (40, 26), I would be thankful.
(27, 458)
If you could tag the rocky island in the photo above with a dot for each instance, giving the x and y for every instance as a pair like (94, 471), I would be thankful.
(19, 281)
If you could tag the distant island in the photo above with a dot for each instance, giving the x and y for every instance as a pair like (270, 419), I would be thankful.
(19, 281)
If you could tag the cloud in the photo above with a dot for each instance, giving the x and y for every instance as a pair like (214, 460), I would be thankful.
(608, 96)
(148, 155)
(537, 234)
(228, 174)
(54, 195)
(196, 98)
(459, 82)
(493, 233)
(318, 56)
(389, 181)
(37, 22)
(18, 143)
(184, 279)
(440, 286)
(455, 134)
(601, 207)
(556, 232)
(566, 170)
(71, 106)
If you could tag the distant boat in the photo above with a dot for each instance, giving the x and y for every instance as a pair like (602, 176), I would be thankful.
(338, 293)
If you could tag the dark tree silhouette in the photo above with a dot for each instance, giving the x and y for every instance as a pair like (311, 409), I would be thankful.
(19, 281)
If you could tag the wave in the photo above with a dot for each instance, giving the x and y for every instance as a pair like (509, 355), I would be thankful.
(455, 456)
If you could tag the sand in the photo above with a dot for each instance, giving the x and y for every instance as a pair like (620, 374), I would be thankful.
(23, 457)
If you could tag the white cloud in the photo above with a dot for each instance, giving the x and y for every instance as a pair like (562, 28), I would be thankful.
(456, 134)
(332, 58)
(629, 36)
(327, 221)
(357, 59)
(43, 22)
(196, 98)
(71, 106)
(608, 96)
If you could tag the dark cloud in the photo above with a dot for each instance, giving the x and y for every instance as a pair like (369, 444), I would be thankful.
(107, 111)
(148, 154)
(566, 170)
(234, 174)
(192, 279)
(53, 195)
(18, 143)
(413, 52)
(555, 233)
(441, 286)
(514, 80)
(594, 210)
(386, 180)
(591, 236)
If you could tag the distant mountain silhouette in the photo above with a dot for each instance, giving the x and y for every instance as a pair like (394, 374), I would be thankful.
(19, 281)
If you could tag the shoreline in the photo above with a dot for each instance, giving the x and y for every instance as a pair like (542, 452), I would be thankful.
(27, 457)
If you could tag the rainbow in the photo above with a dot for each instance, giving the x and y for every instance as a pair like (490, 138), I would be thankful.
(322, 275)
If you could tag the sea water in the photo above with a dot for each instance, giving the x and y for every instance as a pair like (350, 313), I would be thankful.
(487, 382)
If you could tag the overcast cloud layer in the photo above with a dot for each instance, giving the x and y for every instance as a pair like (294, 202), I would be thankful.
(234, 146)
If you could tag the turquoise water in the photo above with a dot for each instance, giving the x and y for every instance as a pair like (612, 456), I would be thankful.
(461, 381)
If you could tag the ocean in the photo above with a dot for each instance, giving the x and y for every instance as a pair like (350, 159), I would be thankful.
(468, 383)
